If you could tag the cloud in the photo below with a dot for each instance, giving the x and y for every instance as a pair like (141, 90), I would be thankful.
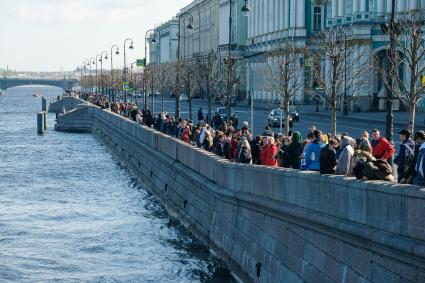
(78, 12)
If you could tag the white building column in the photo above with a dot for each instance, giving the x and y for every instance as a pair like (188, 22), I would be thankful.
(293, 14)
(286, 15)
(363, 6)
(276, 22)
(282, 15)
(380, 7)
(257, 18)
(401, 6)
(390, 5)
(300, 14)
(412, 5)
(266, 16)
(355, 6)
(341, 8)
(335, 8)
(261, 17)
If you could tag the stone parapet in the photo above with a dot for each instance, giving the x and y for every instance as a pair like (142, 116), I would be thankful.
(273, 224)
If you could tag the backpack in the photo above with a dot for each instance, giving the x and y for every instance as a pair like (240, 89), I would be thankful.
(384, 169)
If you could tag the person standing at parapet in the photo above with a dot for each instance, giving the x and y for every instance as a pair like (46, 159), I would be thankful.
(381, 147)
(312, 152)
(200, 115)
(405, 154)
(410, 172)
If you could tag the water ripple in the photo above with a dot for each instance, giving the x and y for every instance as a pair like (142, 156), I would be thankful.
(70, 212)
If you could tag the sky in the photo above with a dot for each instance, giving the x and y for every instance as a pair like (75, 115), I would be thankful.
(54, 35)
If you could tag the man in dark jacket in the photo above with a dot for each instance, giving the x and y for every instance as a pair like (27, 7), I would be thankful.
(222, 148)
(410, 173)
(200, 115)
(328, 158)
(407, 148)
(255, 150)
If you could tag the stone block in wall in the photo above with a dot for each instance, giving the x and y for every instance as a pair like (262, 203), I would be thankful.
(415, 218)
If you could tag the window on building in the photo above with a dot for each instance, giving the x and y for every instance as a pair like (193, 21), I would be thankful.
(317, 19)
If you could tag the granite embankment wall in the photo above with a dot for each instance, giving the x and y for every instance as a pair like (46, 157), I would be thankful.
(274, 224)
(67, 102)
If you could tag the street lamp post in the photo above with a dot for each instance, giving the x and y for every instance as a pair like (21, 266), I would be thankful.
(101, 70)
(82, 75)
(92, 62)
(246, 9)
(189, 26)
(131, 79)
(117, 52)
(393, 30)
(125, 64)
(149, 33)
(97, 79)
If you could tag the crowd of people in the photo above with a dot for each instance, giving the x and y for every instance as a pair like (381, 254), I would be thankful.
(363, 157)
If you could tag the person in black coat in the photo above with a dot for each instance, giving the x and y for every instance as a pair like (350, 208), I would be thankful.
(200, 115)
(407, 149)
(328, 159)
(255, 150)
(222, 148)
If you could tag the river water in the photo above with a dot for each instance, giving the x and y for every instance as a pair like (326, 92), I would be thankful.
(70, 213)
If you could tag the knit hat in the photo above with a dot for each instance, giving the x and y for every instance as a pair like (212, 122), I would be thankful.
(364, 145)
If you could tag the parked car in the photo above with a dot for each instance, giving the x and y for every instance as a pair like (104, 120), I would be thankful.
(275, 116)
(222, 111)
(183, 97)
(294, 113)
(232, 100)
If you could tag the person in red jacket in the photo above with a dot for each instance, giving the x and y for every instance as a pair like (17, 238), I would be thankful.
(186, 134)
(269, 152)
(381, 147)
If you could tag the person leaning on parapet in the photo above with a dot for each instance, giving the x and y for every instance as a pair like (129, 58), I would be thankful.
(405, 155)
(245, 155)
(139, 117)
(255, 150)
(419, 178)
(344, 159)
(328, 159)
(312, 152)
(367, 167)
(295, 150)
(381, 148)
(410, 172)
(268, 154)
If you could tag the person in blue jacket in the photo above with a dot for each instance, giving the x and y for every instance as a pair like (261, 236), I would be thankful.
(312, 152)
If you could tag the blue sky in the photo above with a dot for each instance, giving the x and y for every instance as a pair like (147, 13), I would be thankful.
(47, 35)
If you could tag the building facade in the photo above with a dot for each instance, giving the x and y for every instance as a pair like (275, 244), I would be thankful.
(274, 22)
(164, 50)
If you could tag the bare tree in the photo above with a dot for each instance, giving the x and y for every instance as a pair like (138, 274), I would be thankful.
(284, 76)
(164, 81)
(176, 68)
(188, 70)
(410, 56)
(341, 66)
(209, 73)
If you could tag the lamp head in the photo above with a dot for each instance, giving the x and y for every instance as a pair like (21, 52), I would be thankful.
(153, 40)
(131, 47)
(246, 9)
(190, 25)
(106, 57)
(117, 53)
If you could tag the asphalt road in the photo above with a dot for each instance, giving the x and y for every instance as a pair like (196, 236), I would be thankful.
(348, 125)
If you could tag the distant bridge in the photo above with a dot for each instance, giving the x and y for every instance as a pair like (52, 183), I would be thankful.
(6, 83)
